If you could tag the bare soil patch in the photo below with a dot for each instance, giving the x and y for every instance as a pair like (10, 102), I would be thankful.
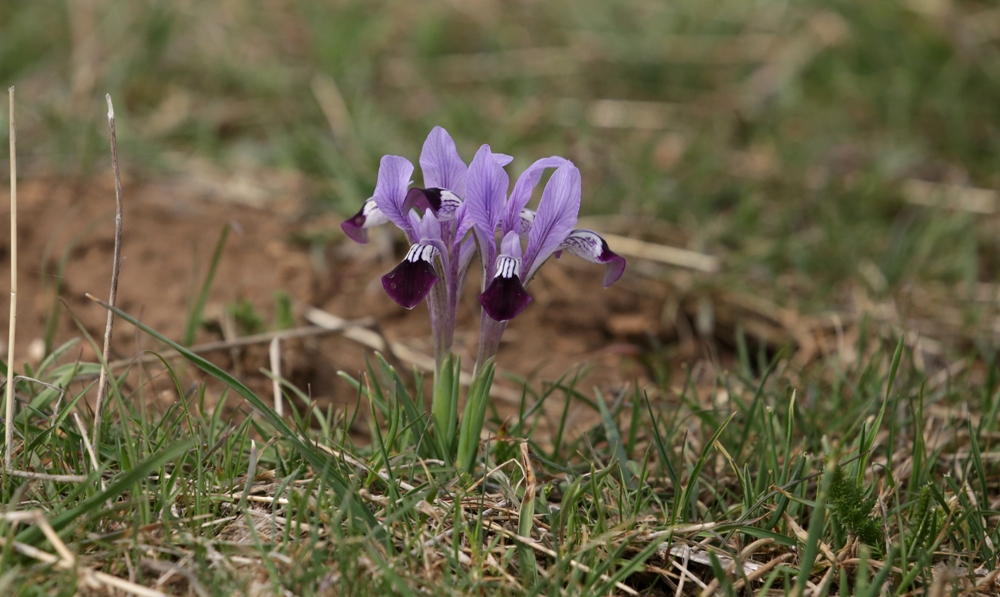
(171, 228)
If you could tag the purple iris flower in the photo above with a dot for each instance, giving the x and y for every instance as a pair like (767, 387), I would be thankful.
(457, 199)
(544, 233)
(437, 252)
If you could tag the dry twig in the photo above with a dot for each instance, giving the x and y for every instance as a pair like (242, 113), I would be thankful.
(12, 326)
(115, 269)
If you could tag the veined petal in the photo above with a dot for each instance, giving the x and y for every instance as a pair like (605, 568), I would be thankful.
(589, 245)
(411, 281)
(523, 188)
(525, 222)
(390, 191)
(442, 167)
(442, 202)
(368, 216)
(486, 191)
(505, 297)
(557, 214)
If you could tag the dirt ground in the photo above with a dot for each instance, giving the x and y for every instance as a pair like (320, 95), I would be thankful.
(171, 228)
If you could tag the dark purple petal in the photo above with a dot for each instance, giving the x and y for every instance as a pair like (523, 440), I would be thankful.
(486, 191)
(590, 246)
(442, 202)
(557, 213)
(390, 191)
(355, 228)
(416, 197)
(442, 167)
(413, 278)
(368, 216)
(505, 297)
(523, 188)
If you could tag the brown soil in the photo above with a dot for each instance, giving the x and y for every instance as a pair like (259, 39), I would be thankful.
(171, 228)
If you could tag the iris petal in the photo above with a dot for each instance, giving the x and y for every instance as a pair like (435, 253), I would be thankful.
(390, 190)
(440, 163)
(505, 297)
(442, 202)
(369, 216)
(411, 281)
(589, 245)
(525, 222)
(556, 216)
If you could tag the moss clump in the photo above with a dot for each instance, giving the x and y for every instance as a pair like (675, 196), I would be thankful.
(852, 510)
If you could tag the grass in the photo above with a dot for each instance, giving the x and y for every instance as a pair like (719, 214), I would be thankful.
(869, 468)
(820, 498)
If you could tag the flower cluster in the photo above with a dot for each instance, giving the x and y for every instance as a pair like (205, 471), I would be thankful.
(461, 209)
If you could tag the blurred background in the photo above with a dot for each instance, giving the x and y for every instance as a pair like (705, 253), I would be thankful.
(840, 158)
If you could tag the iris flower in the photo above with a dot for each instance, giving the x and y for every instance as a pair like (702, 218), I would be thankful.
(544, 233)
(457, 199)
(436, 253)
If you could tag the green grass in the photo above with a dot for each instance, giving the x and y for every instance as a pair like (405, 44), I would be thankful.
(869, 452)
(308, 511)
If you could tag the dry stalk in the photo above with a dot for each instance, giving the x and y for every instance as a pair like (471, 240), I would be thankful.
(66, 560)
(115, 269)
(12, 329)
(274, 351)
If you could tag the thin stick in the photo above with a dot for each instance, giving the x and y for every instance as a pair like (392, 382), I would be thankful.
(12, 329)
(115, 269)
(86, 443)
(274, 351)
(49, 477)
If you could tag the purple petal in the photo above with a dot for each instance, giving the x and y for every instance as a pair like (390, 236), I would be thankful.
(510, 246)
(368, 216)
(442, 202)
(589, 245)
(390, 191)
(523, 188)
(428, 228)
(486, 192)
(413, 278)
(557, 213)
(503, 159)
(416, 197)
(442, 167)
(466, 251)
(505, 297)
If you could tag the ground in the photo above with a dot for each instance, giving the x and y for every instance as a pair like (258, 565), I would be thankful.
(170, 228)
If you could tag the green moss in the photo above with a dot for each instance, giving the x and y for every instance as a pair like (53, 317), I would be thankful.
(852, 510)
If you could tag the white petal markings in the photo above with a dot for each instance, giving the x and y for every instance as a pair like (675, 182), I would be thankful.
(373, 215)
(525, 221)
(589, 245)
(508, 267)
(421, 253)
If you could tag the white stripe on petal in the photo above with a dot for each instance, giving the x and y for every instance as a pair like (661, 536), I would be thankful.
(421, 253)
(508, 267)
